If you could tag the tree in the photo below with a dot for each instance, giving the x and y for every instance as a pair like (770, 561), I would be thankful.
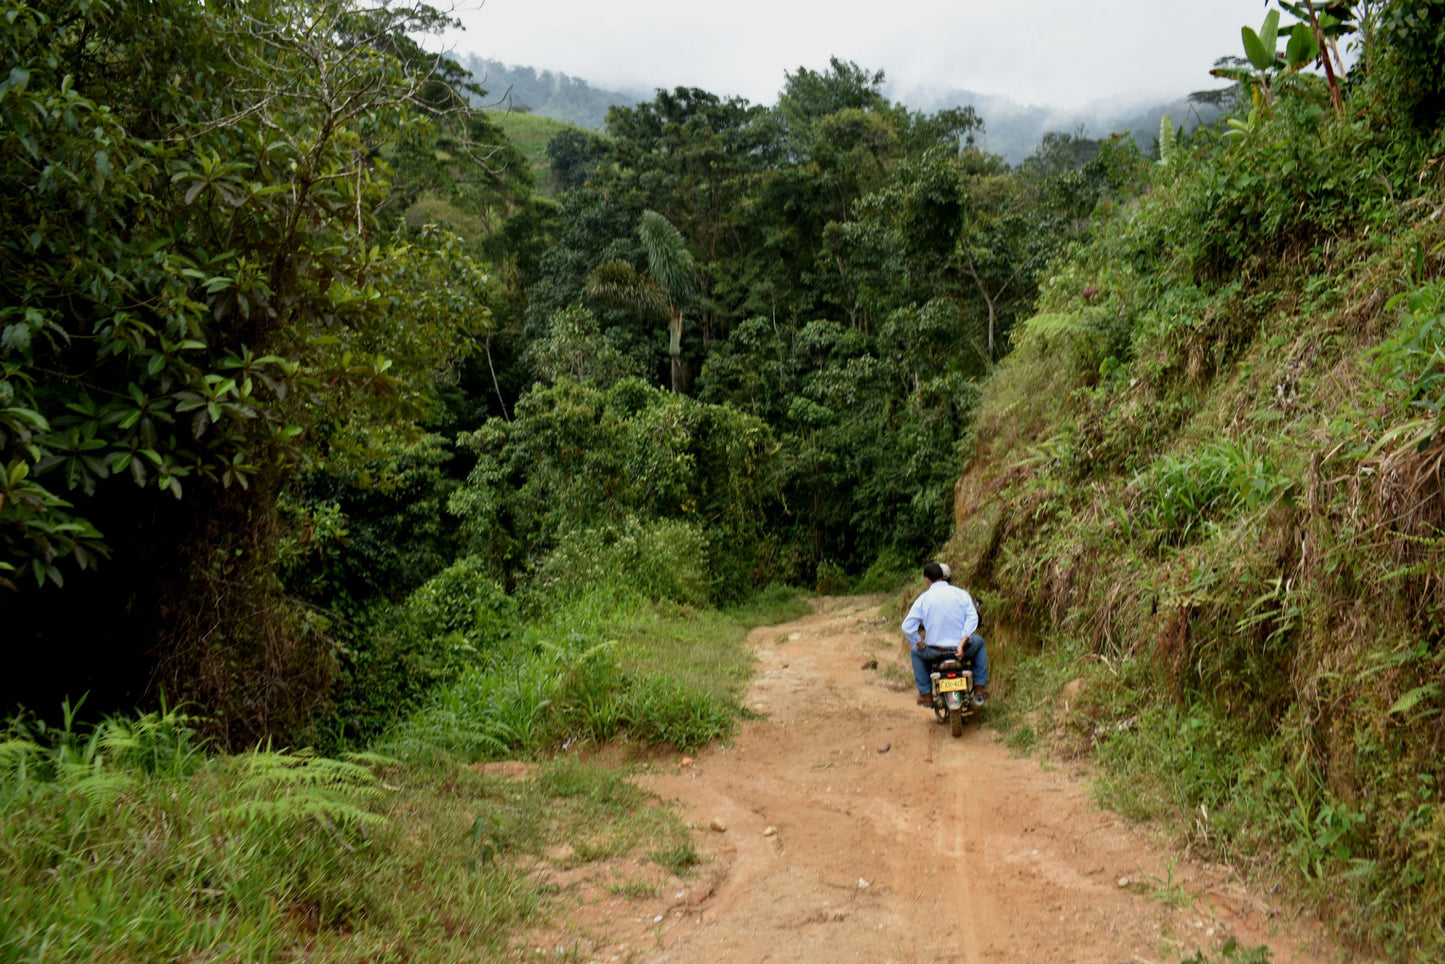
(1060, 152)
(574, 348)
(1264, 68)
(573, 154)
(577, 458)
(809, 96)
(191, 277)
(663, 291)
(992, 247)
(591, 226)
(693, 157)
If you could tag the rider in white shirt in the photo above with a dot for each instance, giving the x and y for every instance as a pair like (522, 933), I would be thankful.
(949, 620)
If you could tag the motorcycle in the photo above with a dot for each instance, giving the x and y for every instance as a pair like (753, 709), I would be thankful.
(953, 696)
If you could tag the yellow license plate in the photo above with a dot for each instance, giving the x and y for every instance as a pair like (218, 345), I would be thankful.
(953, 685)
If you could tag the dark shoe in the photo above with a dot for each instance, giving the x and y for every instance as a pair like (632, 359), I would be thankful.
(925, 699)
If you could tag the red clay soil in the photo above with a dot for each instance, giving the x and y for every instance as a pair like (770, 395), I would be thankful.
(847, 825)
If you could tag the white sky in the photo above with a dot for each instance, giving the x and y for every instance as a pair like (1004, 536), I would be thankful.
(1057, 53)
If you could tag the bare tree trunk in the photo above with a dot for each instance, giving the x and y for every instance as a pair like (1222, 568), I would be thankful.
(1325, 46)
(492, 368)
(983, 290)
(674, 348)
(992, 355)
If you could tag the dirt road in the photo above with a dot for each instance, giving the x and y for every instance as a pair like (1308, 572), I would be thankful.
(846, 825)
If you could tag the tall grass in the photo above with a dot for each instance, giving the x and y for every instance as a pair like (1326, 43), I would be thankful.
(608, 664)
(129, 841)
(1181, 496)
(278, 856)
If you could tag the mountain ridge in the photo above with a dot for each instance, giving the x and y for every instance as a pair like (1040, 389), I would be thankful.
(1012, 129)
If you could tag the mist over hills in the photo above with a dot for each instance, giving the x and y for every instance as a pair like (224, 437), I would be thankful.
(545, 92)
(1014, 130)
(1011, 129)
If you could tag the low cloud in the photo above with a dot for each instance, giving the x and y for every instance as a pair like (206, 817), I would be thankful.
(1050, 52)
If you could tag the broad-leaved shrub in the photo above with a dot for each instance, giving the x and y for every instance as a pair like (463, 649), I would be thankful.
(661, 559)
(458, 619)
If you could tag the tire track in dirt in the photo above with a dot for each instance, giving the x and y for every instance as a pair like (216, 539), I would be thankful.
(857, 829)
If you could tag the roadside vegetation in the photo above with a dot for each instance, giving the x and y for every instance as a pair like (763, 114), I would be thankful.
(329, 419)
(132, 840)
(1206, 489)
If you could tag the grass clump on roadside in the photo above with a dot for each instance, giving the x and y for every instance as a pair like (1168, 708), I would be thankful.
(131, 842)
(609, 665)
(565, 812)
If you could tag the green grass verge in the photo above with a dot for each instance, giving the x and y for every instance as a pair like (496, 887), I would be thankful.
(1240, 797)
(130, 843)
(269, 856)
(609, 666)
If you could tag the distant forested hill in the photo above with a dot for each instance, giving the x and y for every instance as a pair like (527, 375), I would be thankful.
(1014, 130)
(546, 92)
(1011, 130)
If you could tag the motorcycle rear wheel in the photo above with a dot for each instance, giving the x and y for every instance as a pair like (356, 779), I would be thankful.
(955, 719)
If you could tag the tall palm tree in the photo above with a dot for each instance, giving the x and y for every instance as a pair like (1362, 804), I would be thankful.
(661, 291)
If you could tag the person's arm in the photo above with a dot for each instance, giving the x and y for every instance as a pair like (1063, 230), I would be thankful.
(912, 621)
(970, 620)
(970, 615)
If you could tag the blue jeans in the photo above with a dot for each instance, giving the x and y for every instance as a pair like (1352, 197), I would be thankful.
(923, 662)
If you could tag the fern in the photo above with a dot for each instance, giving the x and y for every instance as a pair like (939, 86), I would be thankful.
(1051, 324)
(286, 788)
(1168, 141)
(1415, 697)
(95, 783)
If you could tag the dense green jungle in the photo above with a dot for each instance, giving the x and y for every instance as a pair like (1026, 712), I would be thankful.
(331, 418)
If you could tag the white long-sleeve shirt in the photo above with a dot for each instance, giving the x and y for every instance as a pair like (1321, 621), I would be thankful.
(946, 613)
